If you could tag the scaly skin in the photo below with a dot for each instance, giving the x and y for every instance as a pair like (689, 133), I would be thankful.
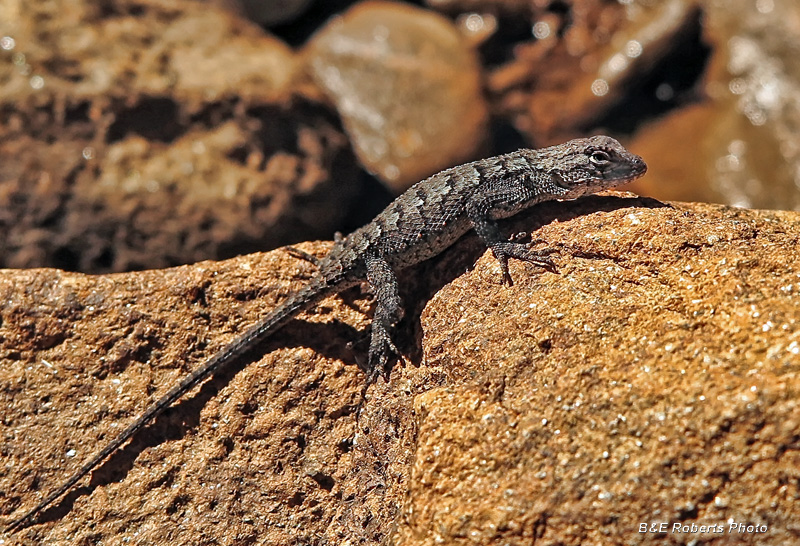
(426, 219)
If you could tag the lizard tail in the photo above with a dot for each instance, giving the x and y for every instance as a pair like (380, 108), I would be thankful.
(301, 300)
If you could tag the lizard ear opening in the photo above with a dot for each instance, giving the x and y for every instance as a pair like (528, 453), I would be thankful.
(559, 181)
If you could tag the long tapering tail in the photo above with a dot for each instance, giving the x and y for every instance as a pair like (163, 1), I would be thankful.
(303, 299)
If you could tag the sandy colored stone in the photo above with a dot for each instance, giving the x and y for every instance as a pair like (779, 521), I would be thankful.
(653, 378)
(82, 355)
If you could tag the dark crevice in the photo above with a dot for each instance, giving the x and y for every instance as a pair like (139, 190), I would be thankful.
(297, 499)
(64, 258)
(104, 261)
(325, 482)
(153, 119)
(673, 82)
(297, 31)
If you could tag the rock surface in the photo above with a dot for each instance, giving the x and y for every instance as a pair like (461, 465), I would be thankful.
(144, 135)
(652, 379)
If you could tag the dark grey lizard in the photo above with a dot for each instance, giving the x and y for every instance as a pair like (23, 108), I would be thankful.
(426, 219)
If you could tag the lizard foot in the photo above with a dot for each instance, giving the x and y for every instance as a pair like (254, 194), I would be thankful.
(381, 349)
(504, 251)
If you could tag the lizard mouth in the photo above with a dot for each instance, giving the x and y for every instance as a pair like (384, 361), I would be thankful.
(627, 172)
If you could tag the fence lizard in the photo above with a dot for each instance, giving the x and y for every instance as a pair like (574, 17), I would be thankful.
(422, 222)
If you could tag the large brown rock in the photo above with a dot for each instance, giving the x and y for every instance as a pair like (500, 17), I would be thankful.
(141, 135)
(652, 379)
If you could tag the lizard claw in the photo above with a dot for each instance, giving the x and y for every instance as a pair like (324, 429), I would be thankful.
(534, 242)
(381, 348)
(504, 251)
(302, 255)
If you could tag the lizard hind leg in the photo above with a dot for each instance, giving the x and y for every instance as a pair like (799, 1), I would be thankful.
(388, 312)
(302, 255)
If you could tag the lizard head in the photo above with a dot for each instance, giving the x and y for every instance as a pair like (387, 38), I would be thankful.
(588, 165)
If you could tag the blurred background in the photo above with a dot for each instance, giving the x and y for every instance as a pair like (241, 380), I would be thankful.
(139, 134)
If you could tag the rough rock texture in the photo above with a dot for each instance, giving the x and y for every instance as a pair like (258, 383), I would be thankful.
(654, 378)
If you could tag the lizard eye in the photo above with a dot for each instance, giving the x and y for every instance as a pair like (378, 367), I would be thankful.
(599, 157)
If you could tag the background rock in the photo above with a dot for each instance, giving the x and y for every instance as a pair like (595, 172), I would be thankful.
(149, 135)
(407, 86)
(705, 91)
(737, 143)
(651, 379)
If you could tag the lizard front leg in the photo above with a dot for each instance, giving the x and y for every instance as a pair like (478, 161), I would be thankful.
(488, 230)
(388, 312)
